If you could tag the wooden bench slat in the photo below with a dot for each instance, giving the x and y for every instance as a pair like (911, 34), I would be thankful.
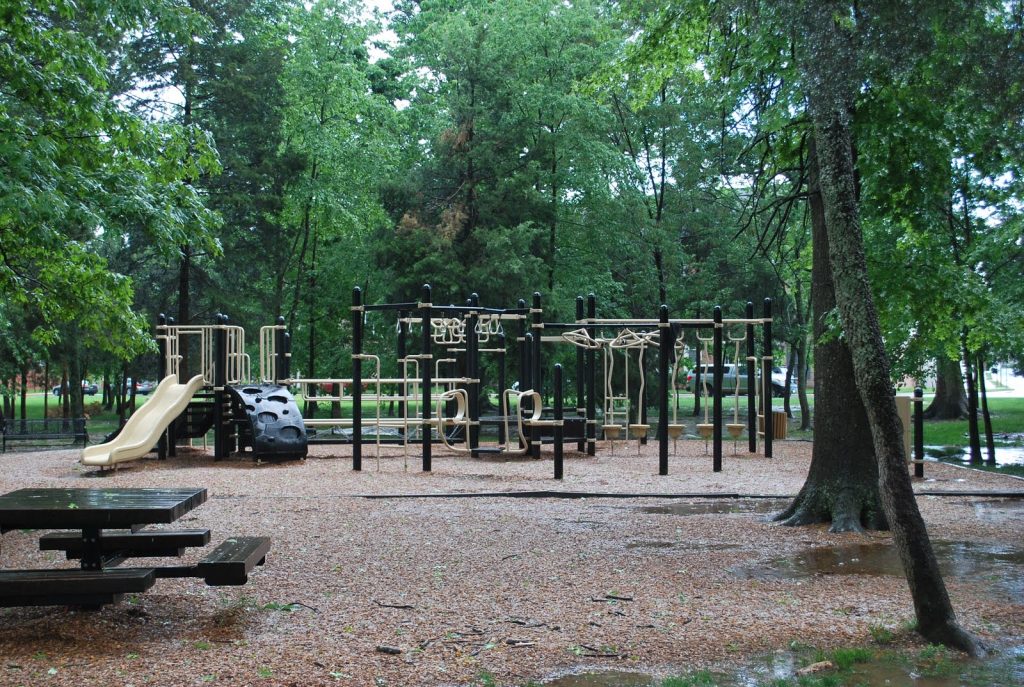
(144, 543)
(231, 562)
(75, 582)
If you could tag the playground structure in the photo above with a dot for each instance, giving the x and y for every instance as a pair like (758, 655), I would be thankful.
(145, 426)
(439, 390)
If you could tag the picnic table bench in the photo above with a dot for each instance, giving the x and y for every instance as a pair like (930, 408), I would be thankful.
(97, 580)
(48, 432)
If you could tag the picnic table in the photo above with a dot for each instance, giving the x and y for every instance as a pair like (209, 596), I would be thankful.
(107, 527)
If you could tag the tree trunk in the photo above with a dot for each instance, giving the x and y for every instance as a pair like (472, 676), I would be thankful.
(24, 391)
(65, 394)
(990, 444)
(801, 384)
(842, 483)
(121, 403)
(830, 107)
(950, 402)
(791, 363)
(76, 408)
(973, 435)
(46, 388)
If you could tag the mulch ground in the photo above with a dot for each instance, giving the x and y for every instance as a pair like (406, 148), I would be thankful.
(393, 576)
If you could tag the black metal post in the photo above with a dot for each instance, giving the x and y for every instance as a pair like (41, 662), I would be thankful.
(473, 372)
(537, 327)
(161, 344)
(286, 338)
(559, 417)
(357, 379)
(581, 389)
(766, 379)
(918, 432)
(401, 351)
(751, 382)
(526, 404)
(426, 363)
(665, 349)
(641, 392)
(220, 363)
(524, 351)
(280, 354)
(591, 372)
(502, 381)
(716, 439)
(538, 330)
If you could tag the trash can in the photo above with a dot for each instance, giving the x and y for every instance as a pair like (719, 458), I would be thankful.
(780, 424)
(903, 410)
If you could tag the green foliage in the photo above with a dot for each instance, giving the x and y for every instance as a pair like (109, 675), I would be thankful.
(78, 168)
(881, 634)
(844, 658)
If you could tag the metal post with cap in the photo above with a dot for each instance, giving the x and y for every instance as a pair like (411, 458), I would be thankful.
(766, 379)
(357, 379)
(716, 439)
(666, 348)
(426, 365)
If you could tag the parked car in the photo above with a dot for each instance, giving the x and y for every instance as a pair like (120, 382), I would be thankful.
(141, 386)
(88, 389)
(728, 379)
(779, 382)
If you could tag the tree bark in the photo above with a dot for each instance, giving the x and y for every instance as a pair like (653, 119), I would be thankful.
(830, 107)
(24, 391)
(791, 363)
(990, 444)
(950, 402)
(973, 434)
(842, 483)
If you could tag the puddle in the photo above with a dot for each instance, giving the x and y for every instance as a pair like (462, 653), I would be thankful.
(1005, 455)
(930, 668)
(611, 678)
(718, 506)
(1005, 668)
(1002, 565)
(1000, 510)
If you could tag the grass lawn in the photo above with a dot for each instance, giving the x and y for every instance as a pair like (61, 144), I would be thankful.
(1007, 417)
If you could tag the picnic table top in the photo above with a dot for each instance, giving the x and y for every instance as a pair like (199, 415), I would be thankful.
(41, 508)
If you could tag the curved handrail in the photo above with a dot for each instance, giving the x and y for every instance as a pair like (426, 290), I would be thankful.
(461, 399)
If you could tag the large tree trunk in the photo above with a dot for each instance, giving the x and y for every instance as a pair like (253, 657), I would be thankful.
(950, 402)
(842, 484)
(990, 444)
(973, 433)
(830, 97)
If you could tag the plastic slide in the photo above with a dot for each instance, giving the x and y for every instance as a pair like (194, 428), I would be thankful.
(142, 431)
